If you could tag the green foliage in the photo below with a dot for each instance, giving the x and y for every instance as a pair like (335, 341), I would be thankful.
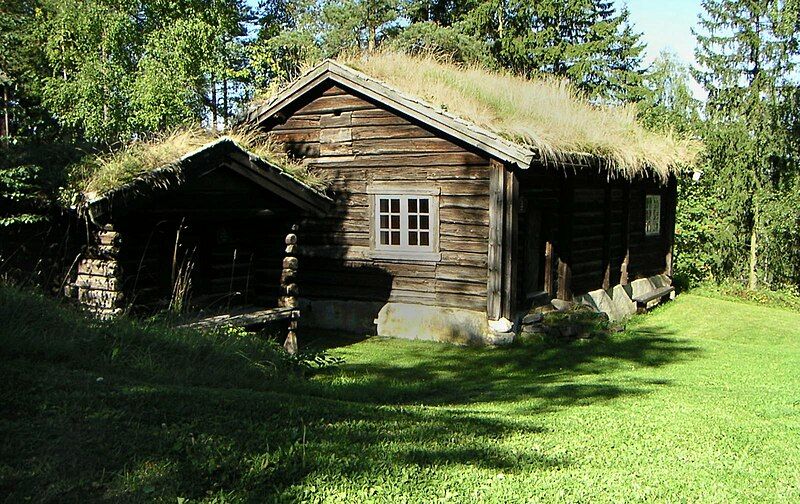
(668, 101)
(20, 193)
(747, 52)
(785, 297)
(587, 41)
(282, 58)
(135, 412)
(124, 67)
(349, 25)
(37, 327)
(449, 41)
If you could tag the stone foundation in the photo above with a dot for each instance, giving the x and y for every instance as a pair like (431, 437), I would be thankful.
(400, 320)
(618, 302)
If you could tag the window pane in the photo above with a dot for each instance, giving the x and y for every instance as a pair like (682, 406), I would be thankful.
(412, 237)
(412, 205)
(395, 238)
(424, 238)
(412, 222)
(424, 222)
(395, 222)
(384, 221)
(423, 205)
(384, 205)
(384, 237)
(395, 206)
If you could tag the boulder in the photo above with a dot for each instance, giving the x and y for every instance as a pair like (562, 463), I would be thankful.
(532, 318)
(501, 326)
(561, 305)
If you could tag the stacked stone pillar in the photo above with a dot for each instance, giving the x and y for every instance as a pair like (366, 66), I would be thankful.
(99, 279)
(290, 290)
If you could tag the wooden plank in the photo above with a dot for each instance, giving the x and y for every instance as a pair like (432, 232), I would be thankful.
(607, 237)
(100, 267)
(510, 224)
(243, 318)
(671, 208)
(331, 104)
(495, 256)
(626, 233)
(376, 132)
(548, 268)
(408, 159)
(565, 241)
(402, 145)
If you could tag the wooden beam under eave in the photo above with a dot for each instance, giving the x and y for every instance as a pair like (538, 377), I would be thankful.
(510, 234)
(566, 216)
(671, 205)
(626, 233)
(607, 237)
(497, 187)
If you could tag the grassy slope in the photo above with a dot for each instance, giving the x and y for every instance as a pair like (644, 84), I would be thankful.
(697, 401)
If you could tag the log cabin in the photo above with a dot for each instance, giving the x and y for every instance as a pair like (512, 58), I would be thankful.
(442, 226)
(432, 226)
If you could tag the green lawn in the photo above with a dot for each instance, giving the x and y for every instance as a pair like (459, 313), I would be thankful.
(698, 401)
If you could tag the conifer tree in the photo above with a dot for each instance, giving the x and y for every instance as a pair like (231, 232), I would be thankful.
(747, 53)
(588, 41)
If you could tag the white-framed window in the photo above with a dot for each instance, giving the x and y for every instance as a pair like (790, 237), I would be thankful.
(652, 215)
(405, 223)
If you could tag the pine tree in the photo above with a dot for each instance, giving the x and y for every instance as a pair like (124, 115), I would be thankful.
(357, 24)
(747, 51)
(587, 41)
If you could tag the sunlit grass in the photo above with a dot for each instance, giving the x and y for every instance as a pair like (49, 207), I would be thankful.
(695, 402)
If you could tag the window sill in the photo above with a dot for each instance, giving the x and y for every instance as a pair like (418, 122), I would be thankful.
(406, 256)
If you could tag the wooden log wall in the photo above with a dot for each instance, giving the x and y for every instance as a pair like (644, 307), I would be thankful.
(235, 261)
(354, 143)
(606, 243)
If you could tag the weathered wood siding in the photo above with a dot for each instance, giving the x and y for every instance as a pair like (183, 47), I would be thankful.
(606, 221)
(355, 142)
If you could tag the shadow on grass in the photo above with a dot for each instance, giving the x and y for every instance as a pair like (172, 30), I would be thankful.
(434, 374)
(151, 430)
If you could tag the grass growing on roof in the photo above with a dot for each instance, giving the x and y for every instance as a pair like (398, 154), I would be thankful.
(544, 113)
(98, 174)
(695, 402)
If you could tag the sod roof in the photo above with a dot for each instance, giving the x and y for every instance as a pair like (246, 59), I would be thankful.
(514, 118)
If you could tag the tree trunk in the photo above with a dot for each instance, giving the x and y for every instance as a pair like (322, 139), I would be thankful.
(753, 280)
(6, 121)
(213, 103)
(373, 34)
(500, 12)
(224, 103)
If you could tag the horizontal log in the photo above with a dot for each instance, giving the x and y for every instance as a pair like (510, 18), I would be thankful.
(330, 104)
(378, 133)
(408, 159)
(402, 145)
(109, 283)
(100, 298)
(99, 267)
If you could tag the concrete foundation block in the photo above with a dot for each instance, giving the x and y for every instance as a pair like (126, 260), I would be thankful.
(450, 325)
(353, 317)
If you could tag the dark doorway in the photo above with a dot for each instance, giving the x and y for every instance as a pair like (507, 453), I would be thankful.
(534, 240)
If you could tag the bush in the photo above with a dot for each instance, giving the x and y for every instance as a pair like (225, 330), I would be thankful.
(781, 297)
